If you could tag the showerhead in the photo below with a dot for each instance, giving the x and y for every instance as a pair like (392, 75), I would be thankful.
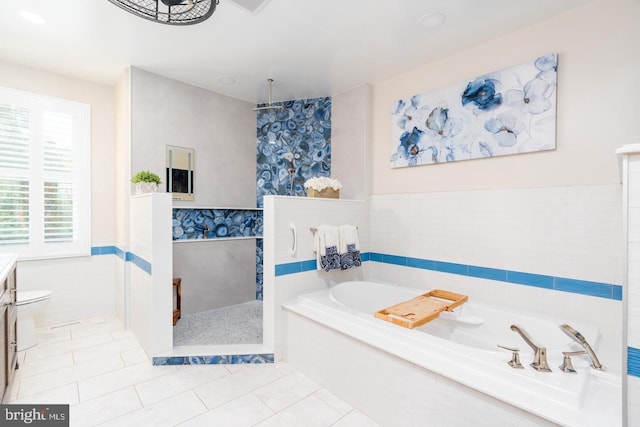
(269, 106)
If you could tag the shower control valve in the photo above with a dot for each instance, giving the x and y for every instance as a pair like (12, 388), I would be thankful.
(515, 357)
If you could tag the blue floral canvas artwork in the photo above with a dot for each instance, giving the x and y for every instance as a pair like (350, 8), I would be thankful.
(506, 112)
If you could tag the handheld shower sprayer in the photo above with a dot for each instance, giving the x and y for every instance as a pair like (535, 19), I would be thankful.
(577, 337)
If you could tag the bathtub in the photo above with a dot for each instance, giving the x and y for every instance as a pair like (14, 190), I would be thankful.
(462, 346)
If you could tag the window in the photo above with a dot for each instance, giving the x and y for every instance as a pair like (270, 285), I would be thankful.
(45, 177)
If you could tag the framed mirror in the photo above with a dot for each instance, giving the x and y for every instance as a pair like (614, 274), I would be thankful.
(180, 167)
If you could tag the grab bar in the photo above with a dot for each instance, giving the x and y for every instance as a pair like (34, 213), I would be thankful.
(292, 251)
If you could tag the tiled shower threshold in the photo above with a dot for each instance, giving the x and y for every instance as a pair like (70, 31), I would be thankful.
(215, 354)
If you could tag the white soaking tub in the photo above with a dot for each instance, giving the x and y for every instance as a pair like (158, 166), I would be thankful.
(462, 346)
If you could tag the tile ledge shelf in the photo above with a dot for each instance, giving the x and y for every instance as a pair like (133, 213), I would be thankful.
(629, 149)
(213, 239)
(217, 208)
(318, 198)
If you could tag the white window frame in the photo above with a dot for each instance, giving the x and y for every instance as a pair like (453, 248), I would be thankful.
(81, 175)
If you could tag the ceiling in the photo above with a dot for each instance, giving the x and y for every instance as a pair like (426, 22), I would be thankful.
(310, 48)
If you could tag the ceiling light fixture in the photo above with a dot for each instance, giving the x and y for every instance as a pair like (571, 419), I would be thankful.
(226, 80)
(171, 12)
(432, 20)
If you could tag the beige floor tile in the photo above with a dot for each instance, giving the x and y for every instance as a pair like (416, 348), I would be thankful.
(122, 378)
(134, 356)
(52, 336)
(339, 405)
(99, 368)
(70, 374)
(104, 349)
(356, 418)
(176, 382)
(246, 410)
(83, 330)
(104, 408)
(310, 411)
(66, 394)
(42, 351)
(234, 385)
(168, 412)
(286, 391)
(41, 366)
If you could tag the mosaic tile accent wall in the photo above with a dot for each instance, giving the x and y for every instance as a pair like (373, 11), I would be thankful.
(189, 224)
(292, 146)
(259, 268)
(219, 223)
(214, 360)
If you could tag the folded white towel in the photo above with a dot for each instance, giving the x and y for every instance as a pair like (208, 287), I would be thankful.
(348, 236)
(326, 236)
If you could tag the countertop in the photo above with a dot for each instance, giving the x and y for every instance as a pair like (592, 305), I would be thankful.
(7, 262)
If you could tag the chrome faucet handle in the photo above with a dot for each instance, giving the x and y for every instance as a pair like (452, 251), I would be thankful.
(515, 357)
(566, 363)
(540, 353)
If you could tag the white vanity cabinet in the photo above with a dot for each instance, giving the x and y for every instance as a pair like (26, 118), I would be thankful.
(8, 322)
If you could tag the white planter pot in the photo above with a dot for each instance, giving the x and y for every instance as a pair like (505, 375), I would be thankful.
(146, 187)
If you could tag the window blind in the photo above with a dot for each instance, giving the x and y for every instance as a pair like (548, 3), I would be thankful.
(44, 176)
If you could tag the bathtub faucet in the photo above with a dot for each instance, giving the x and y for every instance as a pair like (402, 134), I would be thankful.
(540, 353)
(577, 337)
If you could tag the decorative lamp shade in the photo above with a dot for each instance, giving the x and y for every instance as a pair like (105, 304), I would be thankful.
(171, 12)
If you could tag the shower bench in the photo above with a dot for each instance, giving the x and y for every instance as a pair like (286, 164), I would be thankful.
(177, 283)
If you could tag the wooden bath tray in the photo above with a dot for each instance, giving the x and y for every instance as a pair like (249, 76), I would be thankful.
(421, 309)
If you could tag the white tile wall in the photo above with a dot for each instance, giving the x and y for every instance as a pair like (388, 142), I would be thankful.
(82, 287)
(633, 401)
(633, 251)
(304, 213)
(572, 232)
(631, 177)
(565, 231)
(151, 294)
(121, 271)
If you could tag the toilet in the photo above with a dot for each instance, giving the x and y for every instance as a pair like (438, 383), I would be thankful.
(29, 304)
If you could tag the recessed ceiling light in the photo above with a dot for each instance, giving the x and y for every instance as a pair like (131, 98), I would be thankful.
(432, 20)
(226, 80)
(34, 18)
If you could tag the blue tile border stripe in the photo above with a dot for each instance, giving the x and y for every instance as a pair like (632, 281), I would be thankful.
(227, 359)
(140, 262)
(103, 250)
(563, 284)
(123, 255)
(633, 361)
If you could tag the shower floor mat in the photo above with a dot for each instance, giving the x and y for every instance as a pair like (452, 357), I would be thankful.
(236, 324)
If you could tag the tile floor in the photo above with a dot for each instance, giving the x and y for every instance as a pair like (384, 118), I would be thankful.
(99, 368)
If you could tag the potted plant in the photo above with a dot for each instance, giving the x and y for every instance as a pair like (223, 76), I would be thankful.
(146, 182)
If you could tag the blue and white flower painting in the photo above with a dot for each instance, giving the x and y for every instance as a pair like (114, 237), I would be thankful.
(506, 112)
